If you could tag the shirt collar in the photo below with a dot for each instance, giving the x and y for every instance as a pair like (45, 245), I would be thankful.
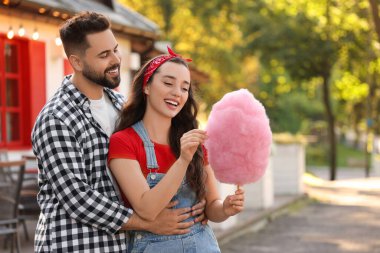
(80, 99)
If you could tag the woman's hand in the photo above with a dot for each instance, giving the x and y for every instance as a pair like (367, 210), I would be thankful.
(190, 142)
(234, 204)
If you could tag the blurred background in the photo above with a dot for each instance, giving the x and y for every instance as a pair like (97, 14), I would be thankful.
(313, 64)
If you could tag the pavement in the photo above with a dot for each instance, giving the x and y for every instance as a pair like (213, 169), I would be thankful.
(339, 217)
(251, 222)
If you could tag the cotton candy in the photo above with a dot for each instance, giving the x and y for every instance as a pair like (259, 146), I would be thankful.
(239, 138)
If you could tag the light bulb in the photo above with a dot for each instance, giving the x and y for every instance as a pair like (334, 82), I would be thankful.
(58, 41)
(10, 33)
(21, 31)
(35, 34)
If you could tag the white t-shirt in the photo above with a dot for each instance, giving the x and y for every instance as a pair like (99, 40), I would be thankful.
(105, 113)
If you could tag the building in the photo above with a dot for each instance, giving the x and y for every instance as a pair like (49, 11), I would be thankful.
(33, 63)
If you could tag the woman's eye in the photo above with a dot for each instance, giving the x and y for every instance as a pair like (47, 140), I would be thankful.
(185, 89)
(167, 83)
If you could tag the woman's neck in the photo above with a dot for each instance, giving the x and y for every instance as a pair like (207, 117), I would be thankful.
(157, 127)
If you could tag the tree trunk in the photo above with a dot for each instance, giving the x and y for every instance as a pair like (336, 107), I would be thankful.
(375, 17)
(331, 126)
(369, 122)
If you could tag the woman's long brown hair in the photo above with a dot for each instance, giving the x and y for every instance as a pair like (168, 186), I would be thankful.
(184, 121)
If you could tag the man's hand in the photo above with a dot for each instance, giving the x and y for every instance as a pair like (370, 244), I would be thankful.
(170, 221)
(199, 209)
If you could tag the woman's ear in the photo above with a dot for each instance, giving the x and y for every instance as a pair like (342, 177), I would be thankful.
(146, 89)
(76, 62)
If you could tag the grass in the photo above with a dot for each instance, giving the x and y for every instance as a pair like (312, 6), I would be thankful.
(316, 155)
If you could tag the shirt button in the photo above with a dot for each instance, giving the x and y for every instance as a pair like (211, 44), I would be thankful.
(138, 237)
(153, 177)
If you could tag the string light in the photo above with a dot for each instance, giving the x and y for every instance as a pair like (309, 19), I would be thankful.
(35, 35)
(10, 33)
(58, 41)
(21, 31)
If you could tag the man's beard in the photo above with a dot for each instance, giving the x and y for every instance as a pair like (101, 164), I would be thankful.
(101, 78)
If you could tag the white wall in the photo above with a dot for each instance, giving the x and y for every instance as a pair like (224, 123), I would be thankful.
(260, 194)
(125, 48)
(288, 168)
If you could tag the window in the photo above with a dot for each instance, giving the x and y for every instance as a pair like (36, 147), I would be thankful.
(10, 99)
(22, 89)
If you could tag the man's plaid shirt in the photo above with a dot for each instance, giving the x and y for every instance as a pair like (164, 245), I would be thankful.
(80, 209)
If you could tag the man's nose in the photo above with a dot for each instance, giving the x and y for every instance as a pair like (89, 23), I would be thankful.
(116, 57)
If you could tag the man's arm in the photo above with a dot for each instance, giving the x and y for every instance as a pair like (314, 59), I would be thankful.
(60, 156)
(168, 222)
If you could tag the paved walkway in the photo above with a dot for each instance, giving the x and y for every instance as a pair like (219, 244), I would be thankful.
(345, 218)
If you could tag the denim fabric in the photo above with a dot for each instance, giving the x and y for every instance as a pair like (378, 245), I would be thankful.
(200, 239)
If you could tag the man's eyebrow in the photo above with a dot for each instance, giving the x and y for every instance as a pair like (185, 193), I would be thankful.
(106, 51)
(172, 77)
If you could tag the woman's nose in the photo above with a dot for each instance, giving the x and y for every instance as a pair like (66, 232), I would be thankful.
(176, 91)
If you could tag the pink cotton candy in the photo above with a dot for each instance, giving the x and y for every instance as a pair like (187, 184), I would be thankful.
(239, 138)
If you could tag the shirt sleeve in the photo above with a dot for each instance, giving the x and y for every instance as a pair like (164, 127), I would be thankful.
(121, 146)
(60, 155)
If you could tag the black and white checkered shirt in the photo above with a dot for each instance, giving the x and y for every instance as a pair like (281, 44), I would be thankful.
(80, 209)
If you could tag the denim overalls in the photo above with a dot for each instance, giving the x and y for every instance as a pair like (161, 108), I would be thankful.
(200, 239)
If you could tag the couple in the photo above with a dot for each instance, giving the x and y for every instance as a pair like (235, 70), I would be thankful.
(156, 155)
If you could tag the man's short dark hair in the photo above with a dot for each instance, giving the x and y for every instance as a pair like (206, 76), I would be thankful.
(74, 31)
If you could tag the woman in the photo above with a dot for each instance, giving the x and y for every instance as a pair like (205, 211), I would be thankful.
(156, 156)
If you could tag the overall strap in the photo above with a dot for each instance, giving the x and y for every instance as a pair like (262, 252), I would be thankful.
(148, 145)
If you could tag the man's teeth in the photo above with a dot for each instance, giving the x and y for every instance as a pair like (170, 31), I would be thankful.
(113, 71)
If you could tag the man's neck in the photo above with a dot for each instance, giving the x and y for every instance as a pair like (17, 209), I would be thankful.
(89, 89)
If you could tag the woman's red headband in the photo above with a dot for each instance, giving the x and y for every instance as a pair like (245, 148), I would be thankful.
(156, 63)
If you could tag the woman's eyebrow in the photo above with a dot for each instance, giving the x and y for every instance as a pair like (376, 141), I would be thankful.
(172, 77)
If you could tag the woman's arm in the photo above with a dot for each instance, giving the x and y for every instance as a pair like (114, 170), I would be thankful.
(216, 209)
(148, 203)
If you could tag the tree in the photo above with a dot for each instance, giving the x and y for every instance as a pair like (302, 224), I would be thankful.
(307, 39)
(208, 32)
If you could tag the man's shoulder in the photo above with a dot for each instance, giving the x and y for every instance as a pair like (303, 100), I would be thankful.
(61, 109)
(60, 104)
(118, 95)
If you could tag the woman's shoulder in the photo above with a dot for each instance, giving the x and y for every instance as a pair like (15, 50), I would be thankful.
(127, 134)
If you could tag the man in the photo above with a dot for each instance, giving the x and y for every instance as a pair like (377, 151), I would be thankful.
(80, 208)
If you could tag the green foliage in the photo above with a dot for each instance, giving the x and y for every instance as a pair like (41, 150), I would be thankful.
(279, 50)
(316, 155)
(291, 110)
(206, 31)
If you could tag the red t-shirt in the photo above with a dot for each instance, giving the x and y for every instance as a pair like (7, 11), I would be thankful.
(127, 144)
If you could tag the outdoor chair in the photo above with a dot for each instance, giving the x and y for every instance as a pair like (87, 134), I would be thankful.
(11, 178)
(28, 206)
